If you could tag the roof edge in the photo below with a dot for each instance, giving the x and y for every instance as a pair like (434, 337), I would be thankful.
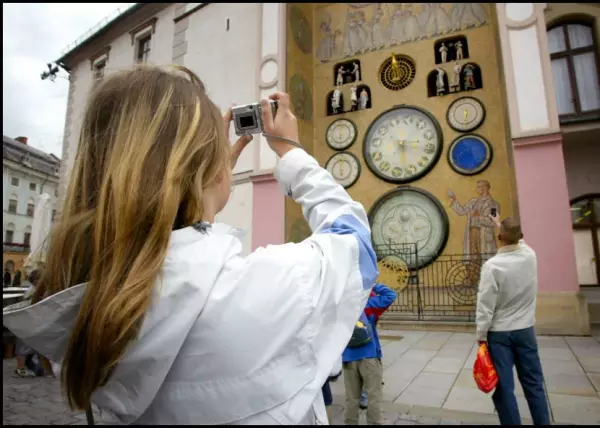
(63, 60)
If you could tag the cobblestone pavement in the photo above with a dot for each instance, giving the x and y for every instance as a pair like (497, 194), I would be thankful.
(35, 401)
(38, 401)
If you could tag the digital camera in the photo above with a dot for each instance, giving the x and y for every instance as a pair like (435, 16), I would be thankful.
(247, 119)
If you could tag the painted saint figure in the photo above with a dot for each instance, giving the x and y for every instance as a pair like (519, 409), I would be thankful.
(353, 99)
(364, 99)
(352, 42)
(364, 32)
(480, 238)
(412, 30)
(326, 49)
(467, 15)
(377, 31)
(458, 46)
(469, 83)
(395, 28)
(443, 53)
(440, 88)
(437, 20)
(456, 77)
(340, 76)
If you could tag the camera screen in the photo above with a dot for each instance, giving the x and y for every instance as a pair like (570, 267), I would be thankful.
(247, 121)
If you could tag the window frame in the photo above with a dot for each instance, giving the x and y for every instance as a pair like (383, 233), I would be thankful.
(18, 181)
(16, 201)
(593, 227)
(568, 55)
(32, 205)
(12, 236)
(32, 186)
(142, 56)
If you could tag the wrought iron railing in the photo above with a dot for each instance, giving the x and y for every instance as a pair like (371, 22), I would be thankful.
(442, 288)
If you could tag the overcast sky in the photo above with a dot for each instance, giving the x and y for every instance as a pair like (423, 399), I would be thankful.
(33, 35)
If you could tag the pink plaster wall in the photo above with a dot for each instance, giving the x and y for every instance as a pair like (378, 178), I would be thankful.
(267, 212)
(544, 210)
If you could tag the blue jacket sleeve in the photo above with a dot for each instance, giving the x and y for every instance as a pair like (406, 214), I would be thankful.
(383, 298)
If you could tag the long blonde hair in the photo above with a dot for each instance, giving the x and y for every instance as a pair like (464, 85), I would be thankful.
(151, 141)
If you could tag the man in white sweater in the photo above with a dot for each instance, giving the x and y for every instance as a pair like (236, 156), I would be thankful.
(505, 318)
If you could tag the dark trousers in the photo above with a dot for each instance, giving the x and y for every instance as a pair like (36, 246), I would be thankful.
(518, 348)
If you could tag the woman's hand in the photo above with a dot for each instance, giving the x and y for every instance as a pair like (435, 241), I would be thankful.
(284, 125)
(241, 142)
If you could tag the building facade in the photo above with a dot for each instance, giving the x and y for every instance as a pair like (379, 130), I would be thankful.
(26, 173)
(483, 106)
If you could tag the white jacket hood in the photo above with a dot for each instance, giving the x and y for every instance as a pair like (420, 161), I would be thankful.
(233, 339)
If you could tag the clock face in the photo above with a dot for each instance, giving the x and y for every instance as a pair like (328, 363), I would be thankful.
(470, 154)
(411, 224)
(402, 144)
(466, 114)
(344, 167)
(341, 134)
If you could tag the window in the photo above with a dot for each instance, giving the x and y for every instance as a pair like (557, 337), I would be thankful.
(53, 214)
(585, 215)
(574, 57)
(33, 187)
(12, 204)
(14, 181)
(27, 236)
(99, 68)
(143, 48)
(30, 208)
(9, 233)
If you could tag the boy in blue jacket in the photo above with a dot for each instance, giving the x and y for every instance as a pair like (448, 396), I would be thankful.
(362, 364)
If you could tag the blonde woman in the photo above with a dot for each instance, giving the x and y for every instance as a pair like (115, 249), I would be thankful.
(148, 304)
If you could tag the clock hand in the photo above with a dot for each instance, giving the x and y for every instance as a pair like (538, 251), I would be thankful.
(466, 115)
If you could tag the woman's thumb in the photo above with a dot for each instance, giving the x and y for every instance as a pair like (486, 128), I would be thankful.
(267, 115)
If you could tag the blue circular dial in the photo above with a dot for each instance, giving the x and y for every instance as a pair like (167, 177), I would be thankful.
(469, 154)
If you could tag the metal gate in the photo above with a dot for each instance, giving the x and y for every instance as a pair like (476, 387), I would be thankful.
(444, 288)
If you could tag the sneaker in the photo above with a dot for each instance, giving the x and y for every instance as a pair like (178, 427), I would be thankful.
(24, 373)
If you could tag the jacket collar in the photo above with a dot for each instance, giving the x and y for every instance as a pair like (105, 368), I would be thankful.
(509, 248)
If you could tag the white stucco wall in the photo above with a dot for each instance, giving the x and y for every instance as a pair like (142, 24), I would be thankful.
(122, 55)
(227, 61)
(238, 213)
(20, 220)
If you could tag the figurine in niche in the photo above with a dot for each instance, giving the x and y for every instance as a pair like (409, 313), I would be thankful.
(364, 99)
(353, 99)
(440, 88)
(459, 50)
(356, 71)
(395, 69)
(340, 76)
(469, 77)
(335, 101)
(443, 52)
(455, 86)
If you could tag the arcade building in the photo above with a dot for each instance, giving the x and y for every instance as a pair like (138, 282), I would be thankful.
(433, 116)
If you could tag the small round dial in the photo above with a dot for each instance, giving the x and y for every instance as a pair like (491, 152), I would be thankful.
(465, 114)
(344, 167)
(341, 134)
(409, 223)
(402, 144)
(470, 154)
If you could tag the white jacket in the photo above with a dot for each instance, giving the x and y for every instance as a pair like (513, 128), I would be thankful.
(506, 299)
(232, 339)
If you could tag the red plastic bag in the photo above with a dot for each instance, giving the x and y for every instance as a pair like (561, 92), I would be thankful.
(484, 371)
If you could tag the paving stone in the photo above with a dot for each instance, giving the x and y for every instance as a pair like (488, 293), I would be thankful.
(564, 354)
(470, 400)
(590, 364)
(423, 397)
(571, 384)
(551, 367)
(445, 365)
(575, 409)
(595, 378)
(584, 352)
